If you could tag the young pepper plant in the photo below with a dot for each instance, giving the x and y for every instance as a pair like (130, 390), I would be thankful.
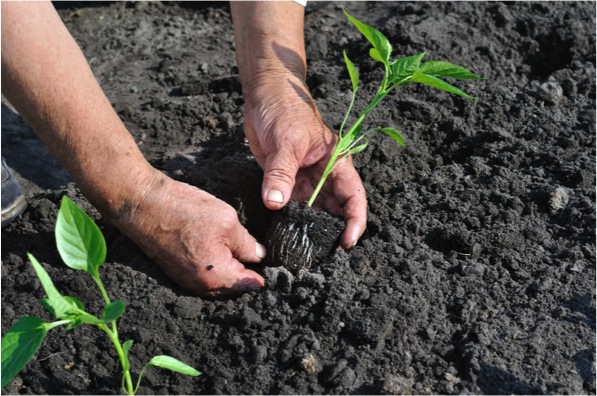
(82, 247)
(398, 72)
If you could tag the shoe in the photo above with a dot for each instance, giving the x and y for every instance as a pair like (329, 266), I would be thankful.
(13, 200)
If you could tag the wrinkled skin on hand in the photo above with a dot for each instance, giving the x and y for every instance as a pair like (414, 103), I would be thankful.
(293, 145)
(196, 239)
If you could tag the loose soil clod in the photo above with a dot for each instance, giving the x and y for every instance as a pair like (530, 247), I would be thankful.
(299, 237)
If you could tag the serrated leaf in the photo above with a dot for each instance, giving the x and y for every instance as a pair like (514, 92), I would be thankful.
(80, 241)
(376, 38)
(394, 134)
(447, 69)
(170, 363)
(19, 345)
(352, 72)
(404, 67)
(113, 311)
(61, 306)
(435, 82)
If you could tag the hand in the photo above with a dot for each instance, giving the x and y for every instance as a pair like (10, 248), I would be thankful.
(292, 144)
(195, 237)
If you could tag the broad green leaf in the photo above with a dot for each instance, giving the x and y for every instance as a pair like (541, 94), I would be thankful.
(359, 148)
(352, 72)
(404, 67)
(394, 134)
(126, 347)
(60, 306)
(113, 311)
(435, 82)
(376, 38)
(173, 364)
(80, 242)
(447, 69)
(19, 345)
(75, 302)
(376, 56)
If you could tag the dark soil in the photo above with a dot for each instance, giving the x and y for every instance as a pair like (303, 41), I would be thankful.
(477, 270)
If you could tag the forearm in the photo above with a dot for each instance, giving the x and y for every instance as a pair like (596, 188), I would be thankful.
(269, 40)
(48, 80)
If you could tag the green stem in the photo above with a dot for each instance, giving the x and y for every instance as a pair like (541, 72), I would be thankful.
(100, 285)
(346, 140)
(354, 95)
(113, 336)
(51, 325)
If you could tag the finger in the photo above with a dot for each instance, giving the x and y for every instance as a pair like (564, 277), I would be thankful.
(349, 189)
(279, 179)
(226, 277)
(244, 246)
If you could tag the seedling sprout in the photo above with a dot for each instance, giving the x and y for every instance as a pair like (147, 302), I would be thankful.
(82, 247)
(398, 72)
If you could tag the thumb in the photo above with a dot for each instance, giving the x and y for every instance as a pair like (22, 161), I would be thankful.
(279, 179)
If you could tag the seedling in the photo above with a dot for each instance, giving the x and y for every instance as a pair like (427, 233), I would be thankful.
(398, 72)
(82, 247)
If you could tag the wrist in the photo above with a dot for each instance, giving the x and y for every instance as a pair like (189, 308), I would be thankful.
(269, 41)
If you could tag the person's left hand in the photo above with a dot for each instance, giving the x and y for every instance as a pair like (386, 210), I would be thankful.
(292, 144)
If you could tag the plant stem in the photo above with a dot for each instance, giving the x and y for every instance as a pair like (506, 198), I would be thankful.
(100, 285)
(51, 325)
(113, 336)
(346, 140)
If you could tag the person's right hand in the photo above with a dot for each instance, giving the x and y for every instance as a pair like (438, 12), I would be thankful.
(196, 238)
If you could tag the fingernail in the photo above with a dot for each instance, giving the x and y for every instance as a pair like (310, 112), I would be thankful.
(260, 250)
(275, 196)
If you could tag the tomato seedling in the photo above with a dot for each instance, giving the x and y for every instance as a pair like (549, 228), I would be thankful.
(82, 247)
(398, 72)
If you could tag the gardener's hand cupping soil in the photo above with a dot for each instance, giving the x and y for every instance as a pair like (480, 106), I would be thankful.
(196, 238)
(283, 126)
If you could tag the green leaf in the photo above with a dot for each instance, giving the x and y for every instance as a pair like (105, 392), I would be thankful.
(173, 364)
(435, 82)
(376, 56)
(352, 72)
(126, 347)
(113, 311)
(19, 345)
(80, 242)
(359, 148)
(382, 46)
(447, 69)
(74, 302)
(61, 307)
(404, 67)
(394, 134)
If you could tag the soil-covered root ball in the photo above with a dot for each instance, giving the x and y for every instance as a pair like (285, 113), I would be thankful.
(300, 236)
